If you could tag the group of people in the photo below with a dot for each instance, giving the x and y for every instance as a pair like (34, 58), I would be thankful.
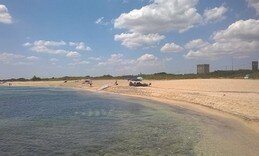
(90, 82)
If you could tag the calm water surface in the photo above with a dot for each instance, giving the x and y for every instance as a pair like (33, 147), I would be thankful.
(51, 121)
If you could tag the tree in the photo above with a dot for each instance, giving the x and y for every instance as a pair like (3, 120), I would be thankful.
(35, 78)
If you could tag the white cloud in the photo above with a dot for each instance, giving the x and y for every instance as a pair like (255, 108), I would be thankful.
(95, 58)
(51, 47)
(54, 60)
(79, 63)
(73, 54)
(7, 58)
(254, 4)
(161, 16)
(117, 63)
(14, 59)
(196, 44)
(27, 44)
(49, 43)
(135, 40)
(147, 58)
(115, 59)
(215, 14)
(83, 62)
(143, 26)
(32, 58)
(241, 30)
(168, 59)
(239, 40)
(5, 17)
(101, 21)
(80, 46)
(171, 47)
(55, 47)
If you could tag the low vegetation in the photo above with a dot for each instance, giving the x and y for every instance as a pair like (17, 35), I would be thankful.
(237, 74)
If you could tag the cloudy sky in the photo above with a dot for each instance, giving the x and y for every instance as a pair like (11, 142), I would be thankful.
(88, 37)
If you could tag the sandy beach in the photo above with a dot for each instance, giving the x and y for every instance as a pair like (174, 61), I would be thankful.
(237, 97)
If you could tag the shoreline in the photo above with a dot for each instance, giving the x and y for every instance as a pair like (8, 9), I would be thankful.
(253, 125)
(153, 121)
(120, 91)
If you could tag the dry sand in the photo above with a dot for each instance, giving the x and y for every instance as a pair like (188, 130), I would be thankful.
(233, 96)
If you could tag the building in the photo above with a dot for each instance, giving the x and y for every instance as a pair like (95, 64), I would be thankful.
(254, 65)
(203, 69)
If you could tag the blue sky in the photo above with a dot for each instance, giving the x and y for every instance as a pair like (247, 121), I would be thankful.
(58, 38)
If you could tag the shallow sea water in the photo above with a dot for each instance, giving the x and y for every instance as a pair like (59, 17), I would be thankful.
(54, 121)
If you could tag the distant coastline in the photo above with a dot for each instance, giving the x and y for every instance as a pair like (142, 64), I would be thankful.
(219, 74)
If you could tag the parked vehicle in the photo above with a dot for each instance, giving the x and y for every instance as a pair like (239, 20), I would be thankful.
(247, 76)
(139, 84)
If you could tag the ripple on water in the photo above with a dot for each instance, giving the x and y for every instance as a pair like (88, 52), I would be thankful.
(44, 121)
(40, 121)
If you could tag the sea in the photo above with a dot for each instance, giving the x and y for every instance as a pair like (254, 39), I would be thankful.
(58, 121)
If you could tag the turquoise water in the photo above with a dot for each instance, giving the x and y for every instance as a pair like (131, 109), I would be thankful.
(51, 121)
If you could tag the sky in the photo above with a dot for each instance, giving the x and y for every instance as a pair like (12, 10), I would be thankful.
(118, 37)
